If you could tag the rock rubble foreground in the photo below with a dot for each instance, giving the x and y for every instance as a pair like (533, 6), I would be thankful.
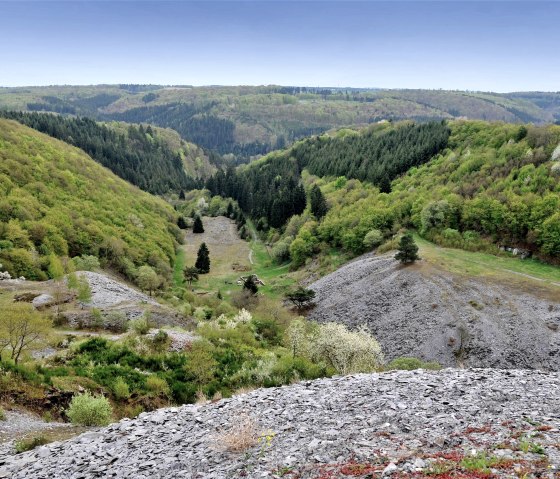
(466, 424)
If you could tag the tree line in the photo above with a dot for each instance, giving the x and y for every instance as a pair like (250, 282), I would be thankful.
(137, 155)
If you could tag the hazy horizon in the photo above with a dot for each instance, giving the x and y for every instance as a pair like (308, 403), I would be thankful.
(482, 46)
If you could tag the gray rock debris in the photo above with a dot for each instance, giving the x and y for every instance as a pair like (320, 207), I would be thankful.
(106, 292)
(434, 315)
(447, 410)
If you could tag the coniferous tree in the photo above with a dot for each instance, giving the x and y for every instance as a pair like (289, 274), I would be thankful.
(182, 195)
(203, 259)
(229, 211)
(250, 285)
(198, 227)
(408, 251)
(181, 223)
(318, 202)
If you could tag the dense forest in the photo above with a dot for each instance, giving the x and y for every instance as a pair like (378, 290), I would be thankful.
(56, 200)
(137, 155)
(271, 189)
(494, 186)
(247, 121)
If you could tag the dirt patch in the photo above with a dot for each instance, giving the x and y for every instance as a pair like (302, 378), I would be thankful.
(434, 315)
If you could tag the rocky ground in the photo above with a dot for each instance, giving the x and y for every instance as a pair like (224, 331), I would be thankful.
(431, 314)
(466, 424)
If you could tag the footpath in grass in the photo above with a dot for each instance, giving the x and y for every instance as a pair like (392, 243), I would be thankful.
(483, 264)
(230, 258)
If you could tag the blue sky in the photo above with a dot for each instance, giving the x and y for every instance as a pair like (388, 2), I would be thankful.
(499, 46)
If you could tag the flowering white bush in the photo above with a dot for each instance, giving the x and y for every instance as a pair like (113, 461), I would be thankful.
(555, 170)
(243, 316)
(347, 351)
(4, 274)
(556, 154)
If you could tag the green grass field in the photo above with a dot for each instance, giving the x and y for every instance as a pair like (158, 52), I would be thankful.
(503, 268)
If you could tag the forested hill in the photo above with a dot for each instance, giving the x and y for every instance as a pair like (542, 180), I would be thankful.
(271, 188)
(495, 185)
(56, 200)
(244, 121)
(134, 153)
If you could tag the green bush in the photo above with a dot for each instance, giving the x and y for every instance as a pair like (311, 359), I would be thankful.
(373, 239)
(121, 389)
(28, 444)
(2, 415)
(140, 325)
(88, 410)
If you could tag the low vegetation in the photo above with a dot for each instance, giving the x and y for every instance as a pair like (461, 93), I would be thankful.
(88, 410)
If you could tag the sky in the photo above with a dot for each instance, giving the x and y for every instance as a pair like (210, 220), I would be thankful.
(487, 45)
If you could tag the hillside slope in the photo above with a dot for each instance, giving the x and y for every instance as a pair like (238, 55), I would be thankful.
(427, 312)
(56, 199)
(247, 121)
(408, 423)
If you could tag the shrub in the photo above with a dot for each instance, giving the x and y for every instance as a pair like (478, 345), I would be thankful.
(121, 389)
(28, 444)
(140, 325)
(408, 364)
(346, 351)
(281, 251)
(116, 321)
(373, 239)
(88, 410)
(2, 415)
(86, 263)
(240, 436)
(157, 385)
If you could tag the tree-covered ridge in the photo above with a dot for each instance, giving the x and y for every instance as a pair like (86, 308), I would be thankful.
(56, 200)
(136, 155)
(379, 155)
(495, 185)
(271, 188)
(245, 121)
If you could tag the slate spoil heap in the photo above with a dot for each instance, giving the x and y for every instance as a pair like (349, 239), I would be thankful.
(466, 424)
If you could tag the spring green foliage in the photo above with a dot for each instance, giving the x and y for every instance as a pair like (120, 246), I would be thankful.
(485, 189)
(24, 445)
(148, 279)
(203, 259)
(409, 364)
(246, 120)
(89, 410)
(137, 155)
(271, 188)
(84, 290)
(57, 200)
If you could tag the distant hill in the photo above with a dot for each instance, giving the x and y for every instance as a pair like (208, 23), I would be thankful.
(55, 199)
(247, 121)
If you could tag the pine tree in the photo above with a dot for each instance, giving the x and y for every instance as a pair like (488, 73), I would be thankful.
(408, 251)
(319, 206)
(250, 285)
(229, 211)
(198, 227)
(203, 259)
(181, 195)
(181, 223)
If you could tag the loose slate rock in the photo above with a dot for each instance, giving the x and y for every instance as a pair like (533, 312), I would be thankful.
(451, 412)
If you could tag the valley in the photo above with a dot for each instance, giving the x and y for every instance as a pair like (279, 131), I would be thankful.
(129, 344)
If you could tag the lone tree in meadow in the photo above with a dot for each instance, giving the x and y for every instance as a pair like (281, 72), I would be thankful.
(250, 284)
(301, 297)
(408, 251)
(318, 203)
(197, 225)
(203, 259)
(191, 274)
